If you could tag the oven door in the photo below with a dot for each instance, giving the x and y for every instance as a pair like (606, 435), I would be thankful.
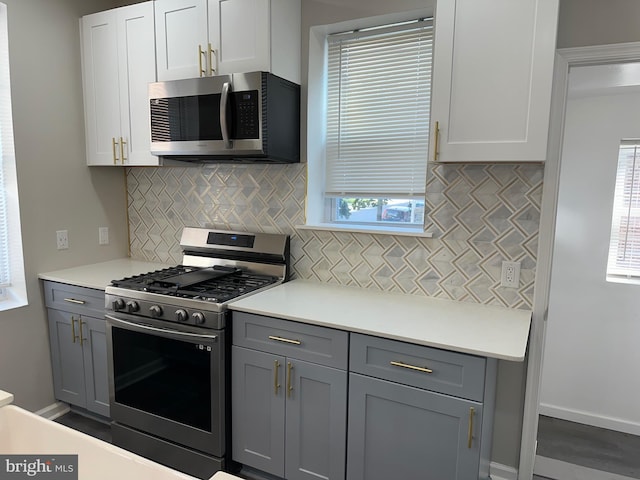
(168, 383)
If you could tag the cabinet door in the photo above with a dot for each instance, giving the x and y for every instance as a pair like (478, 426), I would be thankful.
(137, 68)
(67, 357)
(397, 431)
(239, 34)
(492, 76)
(258, 409)
(94, 347)
(101, 98)
(181, 27)
(316, 421)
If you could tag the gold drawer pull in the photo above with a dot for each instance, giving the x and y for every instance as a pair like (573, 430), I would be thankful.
(436, 150)
(411, 367)
(289, 386)
(472, 412)
(201, 53)
(285, 340)
(73, 300)
(276, 384)
(74, 337)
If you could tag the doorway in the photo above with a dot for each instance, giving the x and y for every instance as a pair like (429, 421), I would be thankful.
(566, 59)
(588, 398)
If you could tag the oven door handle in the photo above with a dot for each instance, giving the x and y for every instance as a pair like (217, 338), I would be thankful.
(148, 328)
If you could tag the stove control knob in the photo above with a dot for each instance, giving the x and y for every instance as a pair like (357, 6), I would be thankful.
(132, 306)
(198, 317)
(118, 304)
(155, 310)
(181, 315)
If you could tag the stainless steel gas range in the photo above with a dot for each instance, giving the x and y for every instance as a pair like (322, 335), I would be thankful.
(168, 346)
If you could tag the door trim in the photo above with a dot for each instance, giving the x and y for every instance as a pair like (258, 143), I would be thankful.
(565, 58)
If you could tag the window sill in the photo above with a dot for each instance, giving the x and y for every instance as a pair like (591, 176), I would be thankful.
(375, 229)
(625, 280)
(12, 297)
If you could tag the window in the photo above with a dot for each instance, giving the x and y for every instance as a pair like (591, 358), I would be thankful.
(370, 173)
(624, 246)
(12, 281)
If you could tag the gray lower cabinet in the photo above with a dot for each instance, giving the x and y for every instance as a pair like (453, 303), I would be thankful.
(289, 411)
(77, 335)
(418, 412)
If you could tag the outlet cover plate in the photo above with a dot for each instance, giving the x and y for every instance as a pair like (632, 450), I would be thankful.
(62, 239)
(510, 275)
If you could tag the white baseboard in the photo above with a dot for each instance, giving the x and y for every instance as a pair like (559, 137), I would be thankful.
(589, 418)
(497, 471)
(53, 411)
(556, 469)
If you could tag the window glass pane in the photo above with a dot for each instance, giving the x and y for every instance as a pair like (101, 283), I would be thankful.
(404, 212)
(624, 246)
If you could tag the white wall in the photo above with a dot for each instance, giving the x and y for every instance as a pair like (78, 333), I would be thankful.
(591, 351)
(56, 189)
(597, 22)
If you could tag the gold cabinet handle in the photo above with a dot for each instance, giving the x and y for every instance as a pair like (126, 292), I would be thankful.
(200, 55)
(113, 148)
(212, 52)
(411, 367)
(276, 384)
(123, 149)
(74, 337)
(73, 300)
(289, 386)
(472, 412)
(82, 340)
(285, 340)
(436, 141)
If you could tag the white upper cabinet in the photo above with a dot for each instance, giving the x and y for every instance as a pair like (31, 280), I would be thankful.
(181, 38)
(118, 57)
(202, 38)
(492, 77)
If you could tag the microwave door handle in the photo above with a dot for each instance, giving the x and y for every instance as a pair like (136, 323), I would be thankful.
(224, 118)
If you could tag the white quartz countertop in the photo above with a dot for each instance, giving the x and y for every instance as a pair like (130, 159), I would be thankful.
(99, 275)
(488, 331)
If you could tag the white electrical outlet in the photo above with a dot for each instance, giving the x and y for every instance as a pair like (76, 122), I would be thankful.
(62, 239)
(103, 235)
(510, 274)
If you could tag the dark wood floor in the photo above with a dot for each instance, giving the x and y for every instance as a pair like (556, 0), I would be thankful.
(591, 447)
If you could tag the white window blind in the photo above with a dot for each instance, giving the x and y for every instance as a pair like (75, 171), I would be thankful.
(624, 246)
(6, 146)
(378, 98)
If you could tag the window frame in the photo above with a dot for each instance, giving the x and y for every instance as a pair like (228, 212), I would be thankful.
(318, 207)
(619, 234)
(14, 294)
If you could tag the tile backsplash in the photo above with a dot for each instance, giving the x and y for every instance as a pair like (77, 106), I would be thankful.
(480, 215)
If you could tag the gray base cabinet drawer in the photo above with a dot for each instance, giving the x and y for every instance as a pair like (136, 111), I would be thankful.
(61, 296)
(402, 432)
(312, 343)
(443, 371)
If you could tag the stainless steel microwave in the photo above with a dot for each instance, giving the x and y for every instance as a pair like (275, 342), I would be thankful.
(250, 117)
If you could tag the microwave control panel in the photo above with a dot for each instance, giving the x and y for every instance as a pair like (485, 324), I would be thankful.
(246, 124)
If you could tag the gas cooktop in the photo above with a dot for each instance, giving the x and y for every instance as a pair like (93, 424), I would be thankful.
(216, 284)
(217, 267)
